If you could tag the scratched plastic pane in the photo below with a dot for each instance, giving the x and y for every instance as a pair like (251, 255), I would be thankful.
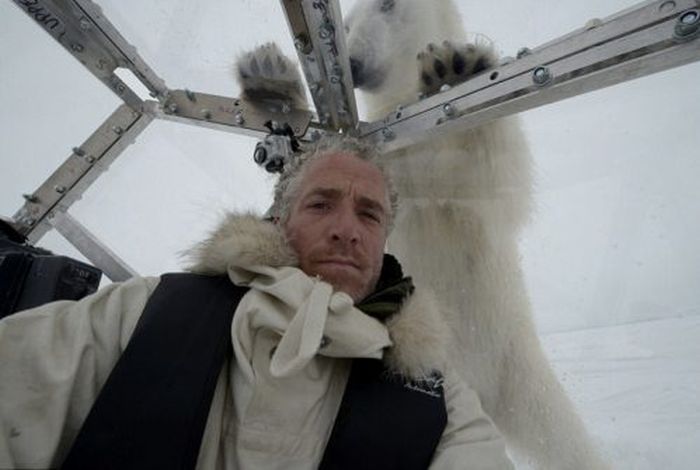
(194, 44)
(611, 257)
(49, 104)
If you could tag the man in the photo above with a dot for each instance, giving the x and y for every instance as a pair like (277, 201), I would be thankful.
(336, 362)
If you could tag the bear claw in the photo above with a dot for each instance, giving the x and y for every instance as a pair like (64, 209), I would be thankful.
(451, 64)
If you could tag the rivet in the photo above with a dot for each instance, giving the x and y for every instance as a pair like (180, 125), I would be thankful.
(325, 341)
(30, 198)
(77, 47)
(60, 189)
(85, 24)
(206, 114)
(190, 95)
(388, 134)
(78, 151)
(667, 7)
(172, 107)
(90, 159)
(117, 130)
(238, 118)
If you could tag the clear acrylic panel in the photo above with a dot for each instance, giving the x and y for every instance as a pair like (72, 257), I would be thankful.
(50, 104)
(168, 189)
(610, 258)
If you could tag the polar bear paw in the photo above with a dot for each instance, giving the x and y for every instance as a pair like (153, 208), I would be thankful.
(265, 73)
(450, 64)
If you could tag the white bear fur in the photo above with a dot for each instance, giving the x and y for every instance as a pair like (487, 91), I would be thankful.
(464, 199)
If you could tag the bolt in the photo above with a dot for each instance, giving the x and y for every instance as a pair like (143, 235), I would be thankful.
(60, 189)
(388, 134)
(448, 109)
(30, 198)
(688, 25)
(85, 24)
(117, 130)
(690, 17)
(121, 88)
(190, 95)
(238, 118)
(172, 107)
(78, 151)
(206, 114)
(541, 76)
(301, 42)
(77, 47)
(286, 109)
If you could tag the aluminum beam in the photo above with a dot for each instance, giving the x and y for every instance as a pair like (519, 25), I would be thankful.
(81, 28)
(236, 115)
(90, 246)
(649, 38)
(87, 162)
(319, 37)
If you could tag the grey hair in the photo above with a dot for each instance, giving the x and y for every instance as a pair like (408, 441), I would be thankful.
(288, 185)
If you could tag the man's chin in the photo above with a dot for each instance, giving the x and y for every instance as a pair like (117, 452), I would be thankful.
(343, 284)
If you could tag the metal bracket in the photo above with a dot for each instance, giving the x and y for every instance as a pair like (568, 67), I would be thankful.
(631, 44)
(88, 244)
(81, 28)
(319, 37)
(237, 115)
(87, 162)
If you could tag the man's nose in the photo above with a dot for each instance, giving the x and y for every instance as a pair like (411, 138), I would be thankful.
(345, 227)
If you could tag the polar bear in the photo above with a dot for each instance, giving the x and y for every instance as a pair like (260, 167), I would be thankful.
(464, 199)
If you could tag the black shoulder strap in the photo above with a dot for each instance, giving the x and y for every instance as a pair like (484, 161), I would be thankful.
(386, 421)
(152, 411)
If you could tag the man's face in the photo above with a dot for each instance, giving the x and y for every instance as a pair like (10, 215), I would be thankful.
(338, 223)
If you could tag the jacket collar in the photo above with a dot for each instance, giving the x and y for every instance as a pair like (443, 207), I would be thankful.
(418, 332)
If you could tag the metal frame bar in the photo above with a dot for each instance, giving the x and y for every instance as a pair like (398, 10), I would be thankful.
(640, 41)
(319, 37)
(81, 28)
(91, 247)
(237, 115)
(87, 162)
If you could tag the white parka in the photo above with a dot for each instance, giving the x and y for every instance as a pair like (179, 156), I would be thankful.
(274, 407)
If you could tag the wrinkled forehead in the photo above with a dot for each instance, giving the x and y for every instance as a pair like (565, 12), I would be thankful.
(345, 172)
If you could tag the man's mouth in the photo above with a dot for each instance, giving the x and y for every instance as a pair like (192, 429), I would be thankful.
(339, 262)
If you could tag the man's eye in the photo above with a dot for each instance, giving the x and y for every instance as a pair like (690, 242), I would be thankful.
(371, 216)
(320, 205)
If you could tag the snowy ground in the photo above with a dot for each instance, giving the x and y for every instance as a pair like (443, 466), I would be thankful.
(638, 389)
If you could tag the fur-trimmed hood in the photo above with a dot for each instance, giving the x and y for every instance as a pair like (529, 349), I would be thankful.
(418, 332)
